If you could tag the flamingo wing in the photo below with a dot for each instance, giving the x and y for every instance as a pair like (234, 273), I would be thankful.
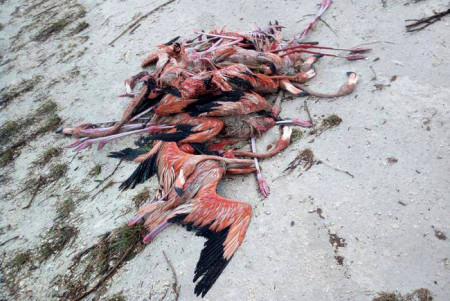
(145, 170)
(223, 222)
(127, 154)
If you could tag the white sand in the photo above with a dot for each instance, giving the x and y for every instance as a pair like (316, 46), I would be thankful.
(389, 246)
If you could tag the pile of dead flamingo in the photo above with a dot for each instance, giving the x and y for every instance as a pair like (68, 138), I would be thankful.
(203, 97)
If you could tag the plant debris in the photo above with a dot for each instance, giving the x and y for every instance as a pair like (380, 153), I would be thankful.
(296, 135)
(96, 170)
(423, 23)
(331, 121)
(12, 269)
(117, 297)
(46, 157)
(12, 92)
(8, 131)
(339, 259)
(93, 266)
(79, 28)
(337, 242)
(21, 129)
(59, 25)
(64, 208)
(19, 260)
(305, 159)
(327, 123)
(319, 212)
(35, 184)
(439, 234)
(392, 160)
(421, 294)
(55, 240)
(141, 198)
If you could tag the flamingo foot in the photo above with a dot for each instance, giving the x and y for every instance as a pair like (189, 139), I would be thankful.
(263, 187)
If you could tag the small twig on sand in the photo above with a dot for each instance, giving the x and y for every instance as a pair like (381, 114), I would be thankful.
(140, 19)
(425, 22)
(109, 176)
(165, 293)
(336, 169)
(136, 27)
(374, 74)
(175, 287)
(73, 158)
(76, 259)
(109, 274)
(8, 240)
(110, 183)
(327, 25)
(309, 116)
(36, 190)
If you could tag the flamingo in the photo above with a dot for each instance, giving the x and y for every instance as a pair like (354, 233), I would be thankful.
(171, 164)
(223, 222)
(205, 95)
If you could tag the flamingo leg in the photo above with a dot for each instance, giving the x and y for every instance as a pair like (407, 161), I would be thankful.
(276, 108)
(149, 237)
(103, 140)
(323, 7)
(295, 121)
(263, 187)
(281, 144)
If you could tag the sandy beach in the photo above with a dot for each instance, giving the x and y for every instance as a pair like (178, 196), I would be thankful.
(370, 215)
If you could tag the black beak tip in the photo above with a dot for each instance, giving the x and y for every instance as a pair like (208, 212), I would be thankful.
(303, 94)
(59, 130)
(318, 55)
(350, 73)
(179, 191)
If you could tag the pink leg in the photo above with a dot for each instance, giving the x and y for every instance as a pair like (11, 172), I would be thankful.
(323, 7)
(149, 237)
(103, 140)
(308, 46)
(276, 108)
(217, 35)
(211, 49)
(263, 187)
(295, 121)
(350, 57)
(124, 128)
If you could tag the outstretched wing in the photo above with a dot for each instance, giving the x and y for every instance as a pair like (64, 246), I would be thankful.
(144, 171)
(128, 154)
(223, 223)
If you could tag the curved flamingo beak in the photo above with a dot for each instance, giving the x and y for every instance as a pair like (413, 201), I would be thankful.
(148, 238)
(135, 220)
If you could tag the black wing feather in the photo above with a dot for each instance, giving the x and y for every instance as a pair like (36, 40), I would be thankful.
(171, 41)
(240, 83)
(211, 262)
(173, 91)
(202, 149)
(127, 154)
(183, 131)
(206, 103)
(144, 171)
